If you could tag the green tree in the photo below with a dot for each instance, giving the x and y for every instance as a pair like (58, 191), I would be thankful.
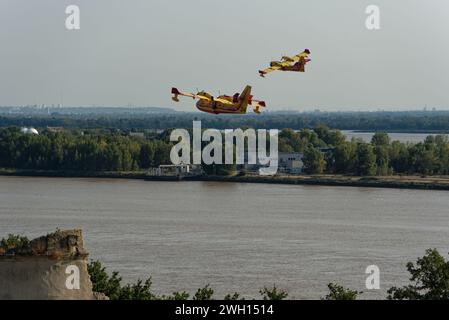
(111, 285)
(161, 153)
(345, 157)
(328, 136)
(429, 277)
(314, 162)
(442, 150)
(424, 157)
(234, 296)
(337, 292)
(146, 155)
(205, 293)
(380, 139)
(399, 157)
(102, 282)
(13, 241)
(310, 137)
(366, 160)
(382, 160)
(381, 143)
(284, 146)
(273, 293)
(182, 295)
(290, 141)
(141, 290)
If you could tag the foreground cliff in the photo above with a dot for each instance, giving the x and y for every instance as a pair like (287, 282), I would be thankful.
(49, 267)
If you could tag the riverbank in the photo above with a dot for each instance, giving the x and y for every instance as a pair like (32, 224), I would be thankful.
(75, 174)
(397, 182)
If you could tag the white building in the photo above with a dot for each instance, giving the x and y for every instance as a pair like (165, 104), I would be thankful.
(137, 134)
(29, 131)
(291, 162)
(170, 170)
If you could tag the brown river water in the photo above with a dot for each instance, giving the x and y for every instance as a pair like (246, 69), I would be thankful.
(235, 236)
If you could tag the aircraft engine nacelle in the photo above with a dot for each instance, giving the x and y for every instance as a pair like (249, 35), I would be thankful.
(175, 92)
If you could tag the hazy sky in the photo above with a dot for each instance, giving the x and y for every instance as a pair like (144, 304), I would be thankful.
(134, 51)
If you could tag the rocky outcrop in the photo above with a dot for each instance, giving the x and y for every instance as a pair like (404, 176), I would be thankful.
(49, 267)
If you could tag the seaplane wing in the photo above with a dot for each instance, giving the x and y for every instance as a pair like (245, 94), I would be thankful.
(203, 97)
(295, 58)
(275, 65)
(224, 100)
(175, 92)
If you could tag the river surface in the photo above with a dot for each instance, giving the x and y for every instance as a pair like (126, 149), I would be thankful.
(235, 236)
(399, 136)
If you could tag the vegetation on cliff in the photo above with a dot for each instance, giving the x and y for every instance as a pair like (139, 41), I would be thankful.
(111, 286)
(429, 277)
(13, 241)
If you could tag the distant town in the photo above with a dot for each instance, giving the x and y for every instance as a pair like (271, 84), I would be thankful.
(59, 109)
(427, 120)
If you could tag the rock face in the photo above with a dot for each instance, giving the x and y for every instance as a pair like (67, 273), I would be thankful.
(49, 267)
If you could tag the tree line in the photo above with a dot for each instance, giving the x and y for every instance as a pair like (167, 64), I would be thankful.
(79, 151)
(380, 157)
(407, 121)
(325, 151)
